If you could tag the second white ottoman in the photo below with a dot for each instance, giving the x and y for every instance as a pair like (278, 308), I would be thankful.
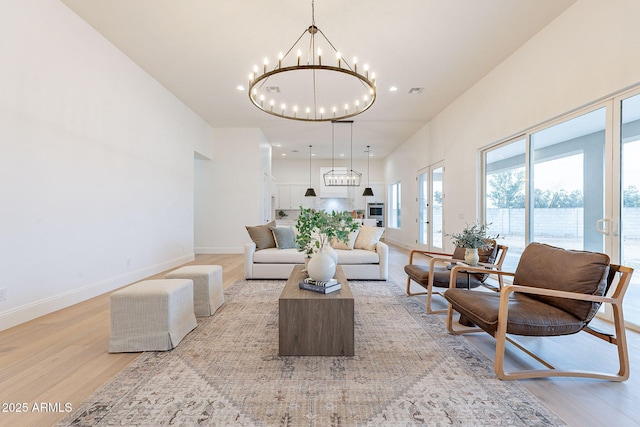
(152, 315)
(207, 286)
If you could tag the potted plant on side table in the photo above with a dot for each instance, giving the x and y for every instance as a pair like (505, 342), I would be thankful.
(473, 238)
(315, 231)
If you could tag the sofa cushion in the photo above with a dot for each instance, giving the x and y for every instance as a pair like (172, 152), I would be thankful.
(279, 256)
(337, 244)
(285, 237)
(262, 235)
(368, 237)
(357, 256)
(544, 266)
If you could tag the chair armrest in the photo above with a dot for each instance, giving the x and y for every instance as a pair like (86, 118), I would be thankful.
(434, 260)
(428, 254)
(471, 269)
(552, 293)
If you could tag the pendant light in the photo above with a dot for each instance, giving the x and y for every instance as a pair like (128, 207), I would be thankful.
(368, 191)
(310, 191)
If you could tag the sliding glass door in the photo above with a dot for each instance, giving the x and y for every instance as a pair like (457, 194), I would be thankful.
(568, 187)
(629, 229)
(573, 183)
(505, 173)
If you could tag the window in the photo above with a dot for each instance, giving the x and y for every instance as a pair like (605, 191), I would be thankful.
(395, 198)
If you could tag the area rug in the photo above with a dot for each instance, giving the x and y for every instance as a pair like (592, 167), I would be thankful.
(408, 371)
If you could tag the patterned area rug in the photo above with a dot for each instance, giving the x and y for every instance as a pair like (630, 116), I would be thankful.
(408, 371)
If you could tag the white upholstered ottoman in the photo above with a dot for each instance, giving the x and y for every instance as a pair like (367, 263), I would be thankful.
(152, 315)
(207, 286)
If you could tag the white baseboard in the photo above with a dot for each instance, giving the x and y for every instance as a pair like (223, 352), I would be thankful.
(398, 243)
(53, 303)
(219, 250)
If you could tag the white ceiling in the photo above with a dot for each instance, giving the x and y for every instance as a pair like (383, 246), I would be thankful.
(200, 50)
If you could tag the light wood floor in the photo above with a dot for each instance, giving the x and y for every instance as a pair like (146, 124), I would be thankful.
(62, 358)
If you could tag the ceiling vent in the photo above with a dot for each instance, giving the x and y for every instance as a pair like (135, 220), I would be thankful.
(273, 89)
(415, 90)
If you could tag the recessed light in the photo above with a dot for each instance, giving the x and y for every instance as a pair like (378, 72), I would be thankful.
(240, 87)
(393, 89)
(284, 154)
(341, 155)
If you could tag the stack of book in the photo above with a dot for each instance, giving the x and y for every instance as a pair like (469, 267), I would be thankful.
(323, 287)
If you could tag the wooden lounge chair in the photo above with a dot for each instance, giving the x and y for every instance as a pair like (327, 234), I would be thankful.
(555, 292)
(438, 272)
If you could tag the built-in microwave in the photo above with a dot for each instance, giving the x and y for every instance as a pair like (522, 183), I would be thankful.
(376, 210)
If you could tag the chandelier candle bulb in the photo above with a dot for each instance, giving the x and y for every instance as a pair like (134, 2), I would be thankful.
(280, 60)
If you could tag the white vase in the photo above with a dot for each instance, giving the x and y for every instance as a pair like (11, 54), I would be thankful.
(321, 266)
(471, 256)
(331, 252)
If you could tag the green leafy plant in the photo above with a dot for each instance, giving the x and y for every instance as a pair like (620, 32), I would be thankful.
(316, 228)
(473, 237)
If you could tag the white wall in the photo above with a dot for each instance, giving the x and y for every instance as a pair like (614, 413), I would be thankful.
(229, 190)
(588, 52)
(96, 170)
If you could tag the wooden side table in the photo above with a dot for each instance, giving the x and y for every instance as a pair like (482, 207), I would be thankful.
(315, 324)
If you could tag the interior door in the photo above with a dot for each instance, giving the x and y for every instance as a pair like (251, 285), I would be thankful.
(430, 207)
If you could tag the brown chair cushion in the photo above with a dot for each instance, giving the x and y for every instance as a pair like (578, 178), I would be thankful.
(527, 316)
(458, 253)
(545, 266)
(489, 255)
(420, 275)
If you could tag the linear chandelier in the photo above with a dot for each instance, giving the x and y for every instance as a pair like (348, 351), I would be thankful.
(304, 88)
(341, 177)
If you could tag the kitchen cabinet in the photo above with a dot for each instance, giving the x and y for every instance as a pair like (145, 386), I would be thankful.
(291, 196)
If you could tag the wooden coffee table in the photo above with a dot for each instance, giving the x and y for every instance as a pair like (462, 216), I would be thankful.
(315, 324)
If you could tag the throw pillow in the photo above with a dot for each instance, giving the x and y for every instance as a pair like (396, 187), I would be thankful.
(285, 237)
(262, 235)
(337, 244)
(368, 237)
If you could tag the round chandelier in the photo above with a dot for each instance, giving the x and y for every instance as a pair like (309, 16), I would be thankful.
(300, 86)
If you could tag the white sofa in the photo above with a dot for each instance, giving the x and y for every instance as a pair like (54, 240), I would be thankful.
(357, 264)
